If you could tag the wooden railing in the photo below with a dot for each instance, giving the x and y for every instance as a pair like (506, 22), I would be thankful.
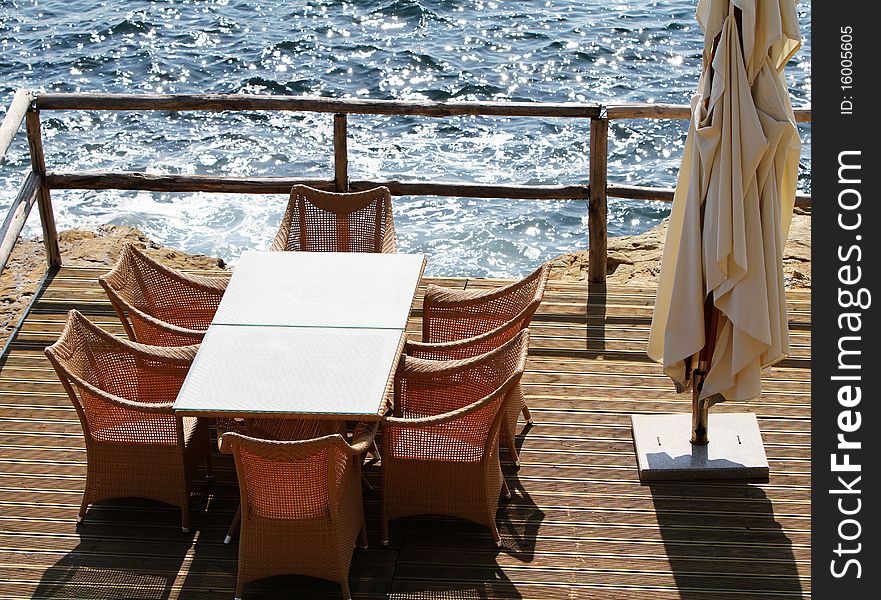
(37, 186)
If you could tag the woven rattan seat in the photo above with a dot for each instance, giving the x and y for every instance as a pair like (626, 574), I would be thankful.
(318, 221)
(158, 305)
(123, 393)
(301, 505)
(440, 449)
(481, 320)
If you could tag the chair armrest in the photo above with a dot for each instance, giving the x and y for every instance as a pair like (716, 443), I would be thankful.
(163, 408)
(441, 351)
(436, 295)
(226, 441)
(195, 334)
(362, 439)
(471, 346)
(117, 277)
(215, 286)
(281, 449)
(446, 380)
(173, 355)
(412, 367)
(445, 297)
(453, 415)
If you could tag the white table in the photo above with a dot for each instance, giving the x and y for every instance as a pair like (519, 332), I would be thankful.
(304, 335)
(321, 289)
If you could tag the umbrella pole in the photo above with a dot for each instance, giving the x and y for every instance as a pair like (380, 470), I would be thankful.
(700, 407)
(700, 413)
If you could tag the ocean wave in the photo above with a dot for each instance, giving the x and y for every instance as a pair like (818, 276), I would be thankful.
(411, 10)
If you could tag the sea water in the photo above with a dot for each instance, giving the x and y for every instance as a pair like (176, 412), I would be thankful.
(447, 50)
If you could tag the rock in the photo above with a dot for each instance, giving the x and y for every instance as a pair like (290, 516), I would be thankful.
(616, 257)
(636, 259)
(79, 248)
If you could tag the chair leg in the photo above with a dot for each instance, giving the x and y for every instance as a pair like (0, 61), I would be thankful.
(512, 446)
(526, 414)
(383, 526)
(506, 491)
(185, 476)
(363, 535)
(347, 594)
(209, 468)
(81, 515)
(240, 587)
(234, 526)
(495, 531)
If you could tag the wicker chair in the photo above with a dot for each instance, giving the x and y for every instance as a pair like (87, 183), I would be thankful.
(301, 505)
(317, 221)
(474, 346)
(440, 449)
(280, 430)
(480, 320)
(158, 305)
(123, 393)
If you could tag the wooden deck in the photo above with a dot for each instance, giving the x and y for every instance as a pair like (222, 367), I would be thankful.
(580, 525)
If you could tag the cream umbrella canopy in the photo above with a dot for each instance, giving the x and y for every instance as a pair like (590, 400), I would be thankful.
(721, 293)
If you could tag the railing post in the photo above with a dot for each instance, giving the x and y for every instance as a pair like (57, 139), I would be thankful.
(597, 208)
(340, 154)
(44, 199)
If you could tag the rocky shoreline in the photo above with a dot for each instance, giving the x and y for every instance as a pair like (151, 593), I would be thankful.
(632, 260)
(636, 259)
(79, 248)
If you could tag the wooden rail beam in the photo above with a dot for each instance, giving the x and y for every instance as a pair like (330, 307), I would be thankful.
(597, 208)
(12, 121)
(648, 111)
(156, 182)
(17, 216)
(477, 190)
(637, 110)
(638, 192)
(44, 198)
(803, 114)
(114, 180)
(218, 102)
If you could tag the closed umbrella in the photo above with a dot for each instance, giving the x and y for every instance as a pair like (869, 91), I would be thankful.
(720, 312)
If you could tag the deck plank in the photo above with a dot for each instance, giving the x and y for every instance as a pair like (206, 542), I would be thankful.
(579, 525)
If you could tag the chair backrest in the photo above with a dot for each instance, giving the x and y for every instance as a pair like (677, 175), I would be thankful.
(277, 429)
(148, 296)
(122, 390)
(477, 387)
(451, 315)
(472, 346)
(289, 479)
(318, 221)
